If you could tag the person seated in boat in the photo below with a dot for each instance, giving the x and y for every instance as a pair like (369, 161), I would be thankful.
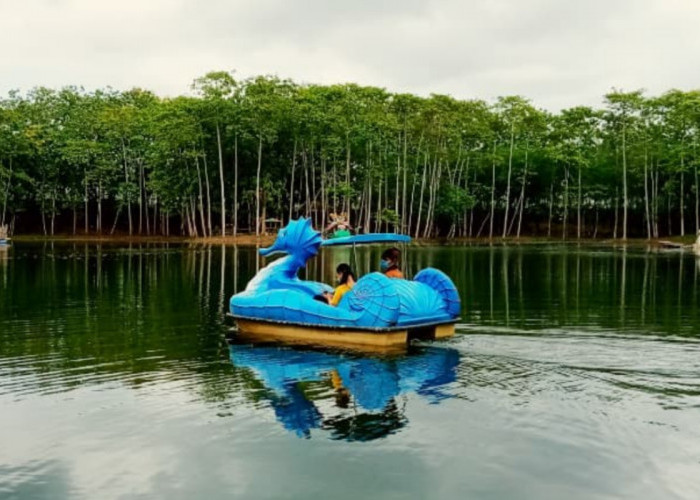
(346, 280)
(339, 225)
(389, 265)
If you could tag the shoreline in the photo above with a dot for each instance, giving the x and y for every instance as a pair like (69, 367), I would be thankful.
(265, 240)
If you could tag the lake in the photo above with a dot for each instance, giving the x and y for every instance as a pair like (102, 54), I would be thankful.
(574, 373)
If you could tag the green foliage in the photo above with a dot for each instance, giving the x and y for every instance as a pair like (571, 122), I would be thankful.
(453, 201)
(429, 166)
(389, 216)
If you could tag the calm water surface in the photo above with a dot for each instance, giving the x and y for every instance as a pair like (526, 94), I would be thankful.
(575, 373)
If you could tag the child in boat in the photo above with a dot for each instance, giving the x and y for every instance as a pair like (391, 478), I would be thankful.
(346, 280)
(390, 263)
(339, 225)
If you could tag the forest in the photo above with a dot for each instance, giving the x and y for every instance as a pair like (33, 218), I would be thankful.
(243, 156)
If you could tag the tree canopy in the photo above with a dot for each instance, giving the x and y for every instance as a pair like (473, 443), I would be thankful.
(237, 153)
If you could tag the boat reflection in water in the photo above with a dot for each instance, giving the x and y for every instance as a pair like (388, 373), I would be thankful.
(353, 398)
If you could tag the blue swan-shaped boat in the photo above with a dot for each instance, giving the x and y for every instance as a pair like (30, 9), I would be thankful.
(378, 311)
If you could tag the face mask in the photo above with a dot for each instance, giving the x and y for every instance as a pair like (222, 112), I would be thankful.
(384, 265)
(338, 279)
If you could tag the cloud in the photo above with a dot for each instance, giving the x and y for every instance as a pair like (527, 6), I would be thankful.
(556, 53)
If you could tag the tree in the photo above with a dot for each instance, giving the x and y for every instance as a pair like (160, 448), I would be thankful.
(218, 88)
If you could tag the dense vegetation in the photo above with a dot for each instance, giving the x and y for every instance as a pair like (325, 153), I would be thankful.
(239, 153)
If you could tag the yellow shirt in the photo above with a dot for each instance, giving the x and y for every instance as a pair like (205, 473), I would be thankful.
(339, 292)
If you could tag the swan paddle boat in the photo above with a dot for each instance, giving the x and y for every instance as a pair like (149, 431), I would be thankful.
(379, 312)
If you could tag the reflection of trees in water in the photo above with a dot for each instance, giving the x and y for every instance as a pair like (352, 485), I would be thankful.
(102, 312)
(572, 285)
(78, 314)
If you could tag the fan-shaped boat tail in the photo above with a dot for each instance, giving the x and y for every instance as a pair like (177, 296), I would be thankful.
(378, 312)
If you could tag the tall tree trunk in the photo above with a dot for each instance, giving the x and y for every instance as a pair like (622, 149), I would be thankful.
(368, 221)
(430, 219)
(257, 188)
(53, 211)
(221, 179)
(6, 193)
(697, 200)
(551, 206)
(625, 200)
(141, 189)
(510, 170)
(465, 219)
(566, 202)
(397, 194)
(313, 206)
(578, 206)
(405, 168)
(207, 192)
(646, 193)
(378, 218)
(681, 197)
(324, 191)
(155, 216)
(656, 198)
(235, 184)
(413, 193)
(307, 192)
(291, 183)
(617, 198)
(193, 218)
(99, 207)
(361, 204)
(493, 190)
(422, 191)
(86, 200)
(431, 196)
(145, 199)
(386, 199)
(116, 219)
(128, 190)
(522, 193)
(595, 227)
(200, 198)
(347, 173)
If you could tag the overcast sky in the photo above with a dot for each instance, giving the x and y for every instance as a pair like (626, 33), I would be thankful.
(558, 53)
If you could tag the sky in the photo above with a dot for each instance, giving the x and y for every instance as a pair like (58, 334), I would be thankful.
(558, 53)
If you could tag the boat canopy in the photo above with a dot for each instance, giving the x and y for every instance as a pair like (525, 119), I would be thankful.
(366, 239)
